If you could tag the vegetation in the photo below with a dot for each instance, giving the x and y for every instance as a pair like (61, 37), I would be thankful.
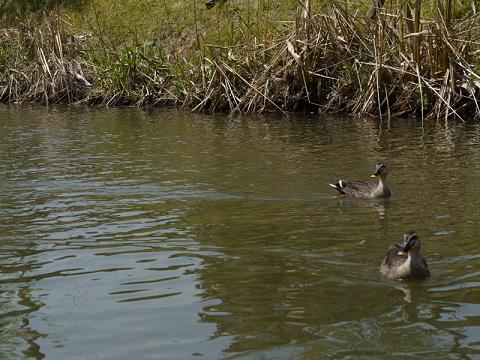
(247, 55)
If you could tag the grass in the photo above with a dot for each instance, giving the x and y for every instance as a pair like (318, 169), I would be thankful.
(250, 56)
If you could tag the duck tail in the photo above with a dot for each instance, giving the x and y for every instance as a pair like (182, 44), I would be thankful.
(338, 186)
(334, 185)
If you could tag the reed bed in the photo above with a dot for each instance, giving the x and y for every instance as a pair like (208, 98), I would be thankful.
(39, 65)
(390, 61)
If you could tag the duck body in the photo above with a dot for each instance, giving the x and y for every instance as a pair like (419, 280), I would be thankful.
(365, 189)
(361, 189)
(404, 261)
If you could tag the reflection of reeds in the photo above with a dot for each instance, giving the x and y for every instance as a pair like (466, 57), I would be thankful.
(389, 61)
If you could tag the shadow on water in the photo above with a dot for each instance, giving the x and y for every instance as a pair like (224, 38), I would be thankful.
(174, 235)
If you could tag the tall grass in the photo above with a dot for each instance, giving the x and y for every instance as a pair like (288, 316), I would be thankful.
(397, 60)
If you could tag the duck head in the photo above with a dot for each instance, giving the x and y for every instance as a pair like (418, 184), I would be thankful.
(380, 170)
(411, 243)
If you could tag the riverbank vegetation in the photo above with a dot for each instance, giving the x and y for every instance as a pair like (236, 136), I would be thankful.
(397, 59)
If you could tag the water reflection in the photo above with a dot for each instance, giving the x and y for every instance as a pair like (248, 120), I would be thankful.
(412, 295)
(16, 335)
(174, 235)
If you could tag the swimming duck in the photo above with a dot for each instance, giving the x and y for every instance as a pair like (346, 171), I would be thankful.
(404, 261)
(366, 189)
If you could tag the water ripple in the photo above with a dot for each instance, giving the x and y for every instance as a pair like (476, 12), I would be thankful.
(135, 233)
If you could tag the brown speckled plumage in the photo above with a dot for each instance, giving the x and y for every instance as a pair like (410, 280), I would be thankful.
(365, 189)
(404, 261)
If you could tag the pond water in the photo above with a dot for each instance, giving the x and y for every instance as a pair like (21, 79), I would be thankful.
(162, 234)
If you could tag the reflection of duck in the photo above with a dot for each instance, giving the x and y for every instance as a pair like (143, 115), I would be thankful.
(404, 261)
(412, 295)
(365, 189)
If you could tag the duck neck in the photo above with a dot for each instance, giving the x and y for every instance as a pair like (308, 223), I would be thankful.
(382, 182)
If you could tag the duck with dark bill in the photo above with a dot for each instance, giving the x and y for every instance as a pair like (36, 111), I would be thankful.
(365, 189)
(404, 261)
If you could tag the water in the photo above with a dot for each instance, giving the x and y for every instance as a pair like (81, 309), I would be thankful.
(127, 233)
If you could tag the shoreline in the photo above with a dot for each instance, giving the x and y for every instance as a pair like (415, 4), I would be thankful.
(327, 62)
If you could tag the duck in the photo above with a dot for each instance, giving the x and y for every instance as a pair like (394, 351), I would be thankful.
(404, 261)
(365, 189)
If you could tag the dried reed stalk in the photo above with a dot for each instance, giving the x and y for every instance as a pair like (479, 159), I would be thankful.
(394, 63)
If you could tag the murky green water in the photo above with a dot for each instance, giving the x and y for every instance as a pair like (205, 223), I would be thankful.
(132, 234)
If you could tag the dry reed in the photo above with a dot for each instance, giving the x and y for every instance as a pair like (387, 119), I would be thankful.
(394, 63)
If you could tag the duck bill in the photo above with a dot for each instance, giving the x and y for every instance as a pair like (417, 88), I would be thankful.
(405, 247)
(373, 175)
